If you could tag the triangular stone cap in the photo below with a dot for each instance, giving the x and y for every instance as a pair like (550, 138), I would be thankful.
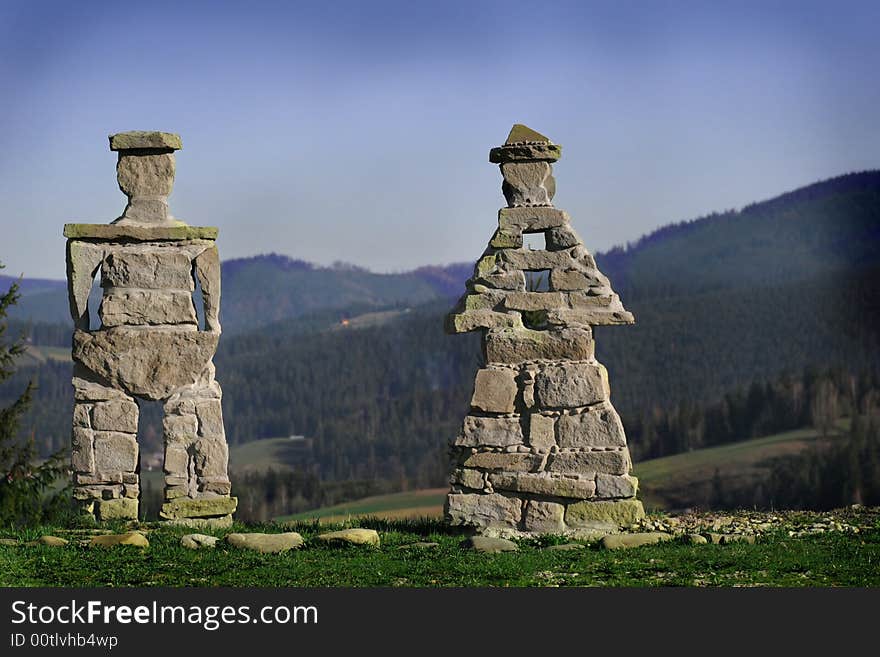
(525, 144)
(520, 133)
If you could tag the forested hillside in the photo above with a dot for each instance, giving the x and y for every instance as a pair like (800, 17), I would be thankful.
(780, 292)
(403, 384)
(265, 289)
(829, 226)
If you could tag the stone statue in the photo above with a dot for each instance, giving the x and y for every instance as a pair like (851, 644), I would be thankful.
(542, 450)
(149, 346)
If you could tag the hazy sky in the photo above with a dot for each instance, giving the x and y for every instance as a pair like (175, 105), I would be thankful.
(359, 131)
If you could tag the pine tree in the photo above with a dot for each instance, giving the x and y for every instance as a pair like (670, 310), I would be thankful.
(24, 483)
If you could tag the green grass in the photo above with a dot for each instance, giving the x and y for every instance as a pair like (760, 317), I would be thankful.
(388, 506)
(663, 483)
(264, 454)
(258, 455)
(666, 482)
(832, 559)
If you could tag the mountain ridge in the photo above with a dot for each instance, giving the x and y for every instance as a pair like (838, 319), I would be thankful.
(783, 288)
(822, 227)
(825, 226)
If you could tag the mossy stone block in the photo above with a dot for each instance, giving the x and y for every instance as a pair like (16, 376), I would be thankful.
(622, 512)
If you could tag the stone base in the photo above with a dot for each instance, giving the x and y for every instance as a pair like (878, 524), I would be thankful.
(221, 522)
(124, 508)
(202, 508)
(621, 512)
(121, 508)
(589, 534)
(508, 516)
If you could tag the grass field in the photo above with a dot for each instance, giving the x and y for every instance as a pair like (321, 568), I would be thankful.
(776, 559)
(427, 503)
(664, 483)
(670, 482)
(36, 354)
(256, 455)
(263, 454)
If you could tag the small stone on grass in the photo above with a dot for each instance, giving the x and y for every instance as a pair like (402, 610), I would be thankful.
(266, 543)
(727, 539)
(129, 538)
(624, 541)
(197, 541)
(488, 544)
(695, 539)
(351, 536)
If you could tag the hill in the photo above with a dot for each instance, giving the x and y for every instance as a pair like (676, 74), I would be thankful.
(826, 227)
(265, 289)
(32, 286)
(695, 478)
(427, 503)
(699, 477)
(380, 396)
(261, 455)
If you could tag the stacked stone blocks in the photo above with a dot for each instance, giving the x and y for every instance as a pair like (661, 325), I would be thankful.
(149, 346)
(543, 450)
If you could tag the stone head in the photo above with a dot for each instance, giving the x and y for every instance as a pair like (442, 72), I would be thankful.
(145, 172)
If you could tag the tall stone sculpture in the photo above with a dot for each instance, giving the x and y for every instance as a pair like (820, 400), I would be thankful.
(542, 449)
(149, 346)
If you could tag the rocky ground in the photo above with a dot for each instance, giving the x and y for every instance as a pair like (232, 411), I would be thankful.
(853, 519)
(688, 526)
(731, 548)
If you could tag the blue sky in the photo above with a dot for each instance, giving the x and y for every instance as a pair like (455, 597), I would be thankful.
(359, 131)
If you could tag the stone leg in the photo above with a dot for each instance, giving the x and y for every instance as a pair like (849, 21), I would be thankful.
(197, 487)
(104, 454)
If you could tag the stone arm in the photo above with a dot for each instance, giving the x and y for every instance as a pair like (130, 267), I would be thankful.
(207, 269)
(83, 261)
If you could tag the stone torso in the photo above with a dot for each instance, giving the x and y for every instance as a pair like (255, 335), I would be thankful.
(148, 285)
(149, 342)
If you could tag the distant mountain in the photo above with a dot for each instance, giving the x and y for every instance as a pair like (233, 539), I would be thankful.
(720, 302)
(829, 226)
(264, 289)
(447, 280)
(32, 285)
(42, 299)
(826, 227)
